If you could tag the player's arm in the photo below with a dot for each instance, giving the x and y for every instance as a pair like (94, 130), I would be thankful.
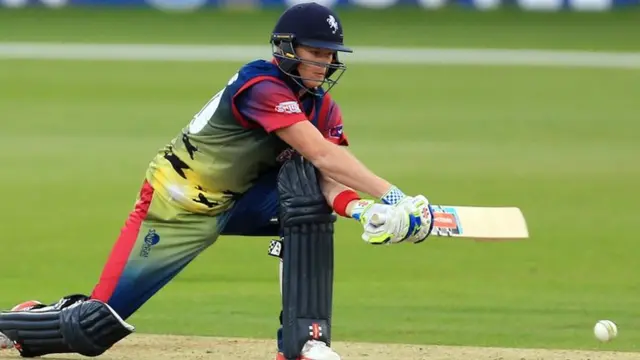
(274, 107)
(334, 160)
(382, 223)
(342, 173)
(344, 200)
(341, 197)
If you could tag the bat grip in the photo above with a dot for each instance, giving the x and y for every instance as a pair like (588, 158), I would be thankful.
(377, 219)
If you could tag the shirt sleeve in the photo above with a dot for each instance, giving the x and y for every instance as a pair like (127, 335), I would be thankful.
(334, 130)
(270, 104)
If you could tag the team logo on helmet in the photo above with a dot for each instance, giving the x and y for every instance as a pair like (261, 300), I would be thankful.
(333, 23)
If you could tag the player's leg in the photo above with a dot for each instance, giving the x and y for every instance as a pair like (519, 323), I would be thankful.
(252, 216)
(253, 212)
(306, 222)
(157, 241)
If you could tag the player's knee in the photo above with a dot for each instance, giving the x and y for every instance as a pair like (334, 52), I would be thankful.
(301, 199)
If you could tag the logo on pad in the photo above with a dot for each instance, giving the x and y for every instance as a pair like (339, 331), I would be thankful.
(315, 331)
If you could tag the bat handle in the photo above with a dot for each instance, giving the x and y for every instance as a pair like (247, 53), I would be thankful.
(377, 219)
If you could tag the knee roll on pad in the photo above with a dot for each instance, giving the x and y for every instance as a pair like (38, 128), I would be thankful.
(307, 226)
(88, 328)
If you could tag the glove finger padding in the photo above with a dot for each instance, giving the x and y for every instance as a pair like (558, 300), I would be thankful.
(375, 231)
(387, 225)
(426, 226)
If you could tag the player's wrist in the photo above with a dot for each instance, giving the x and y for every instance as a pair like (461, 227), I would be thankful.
(392, 196)
(356, 208)
(343, 202)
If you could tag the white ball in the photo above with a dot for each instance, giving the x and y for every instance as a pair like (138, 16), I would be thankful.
(605, 330)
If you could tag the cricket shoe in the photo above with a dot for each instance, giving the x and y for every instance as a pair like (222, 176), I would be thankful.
(28, 305)
(314, 350)
(5, 342)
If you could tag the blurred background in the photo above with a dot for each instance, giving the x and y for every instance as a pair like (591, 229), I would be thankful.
(193, 5)
(528, 103)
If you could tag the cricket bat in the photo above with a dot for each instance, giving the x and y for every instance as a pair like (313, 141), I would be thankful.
(477, 222)
(481, 223)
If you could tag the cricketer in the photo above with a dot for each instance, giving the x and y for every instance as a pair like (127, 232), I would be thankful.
(269, 145)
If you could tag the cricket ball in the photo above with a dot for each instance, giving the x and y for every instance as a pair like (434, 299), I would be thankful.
(605, 330)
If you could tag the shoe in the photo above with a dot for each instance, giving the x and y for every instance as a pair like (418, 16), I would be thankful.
(314, 350)
(28, 305)
(5, 342)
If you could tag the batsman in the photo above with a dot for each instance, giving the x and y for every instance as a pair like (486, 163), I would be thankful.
(269, 145)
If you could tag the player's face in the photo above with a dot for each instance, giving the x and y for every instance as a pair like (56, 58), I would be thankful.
(313, 74)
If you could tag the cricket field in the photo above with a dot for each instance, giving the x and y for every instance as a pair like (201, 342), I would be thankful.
(560, 140)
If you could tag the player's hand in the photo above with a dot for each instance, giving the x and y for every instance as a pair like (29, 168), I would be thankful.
(384, 224)
(418, 207)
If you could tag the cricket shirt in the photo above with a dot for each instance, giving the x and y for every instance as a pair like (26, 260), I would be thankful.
(228, 144)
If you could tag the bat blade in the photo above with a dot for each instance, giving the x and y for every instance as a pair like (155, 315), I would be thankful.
(480, 223)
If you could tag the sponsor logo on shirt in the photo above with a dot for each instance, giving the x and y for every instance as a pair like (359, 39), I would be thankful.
(336, 131)
(288, 107)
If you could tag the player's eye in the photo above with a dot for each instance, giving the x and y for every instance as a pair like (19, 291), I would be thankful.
(323, 55)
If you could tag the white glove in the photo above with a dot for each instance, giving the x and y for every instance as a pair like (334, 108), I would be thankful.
(417, 207)
(383, 224)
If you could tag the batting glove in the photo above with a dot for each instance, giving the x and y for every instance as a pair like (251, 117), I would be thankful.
(383, 224)
(419, 210)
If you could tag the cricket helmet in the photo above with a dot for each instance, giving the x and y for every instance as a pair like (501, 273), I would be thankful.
(308, 24)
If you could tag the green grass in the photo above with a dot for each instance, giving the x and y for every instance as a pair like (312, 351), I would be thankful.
(560, 143)
(398, 27)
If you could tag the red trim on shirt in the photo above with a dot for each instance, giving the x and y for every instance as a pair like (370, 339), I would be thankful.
(323, 119)
(244, 122)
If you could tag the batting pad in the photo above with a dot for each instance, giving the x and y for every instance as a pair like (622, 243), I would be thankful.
(306, 224)
(86, 327)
